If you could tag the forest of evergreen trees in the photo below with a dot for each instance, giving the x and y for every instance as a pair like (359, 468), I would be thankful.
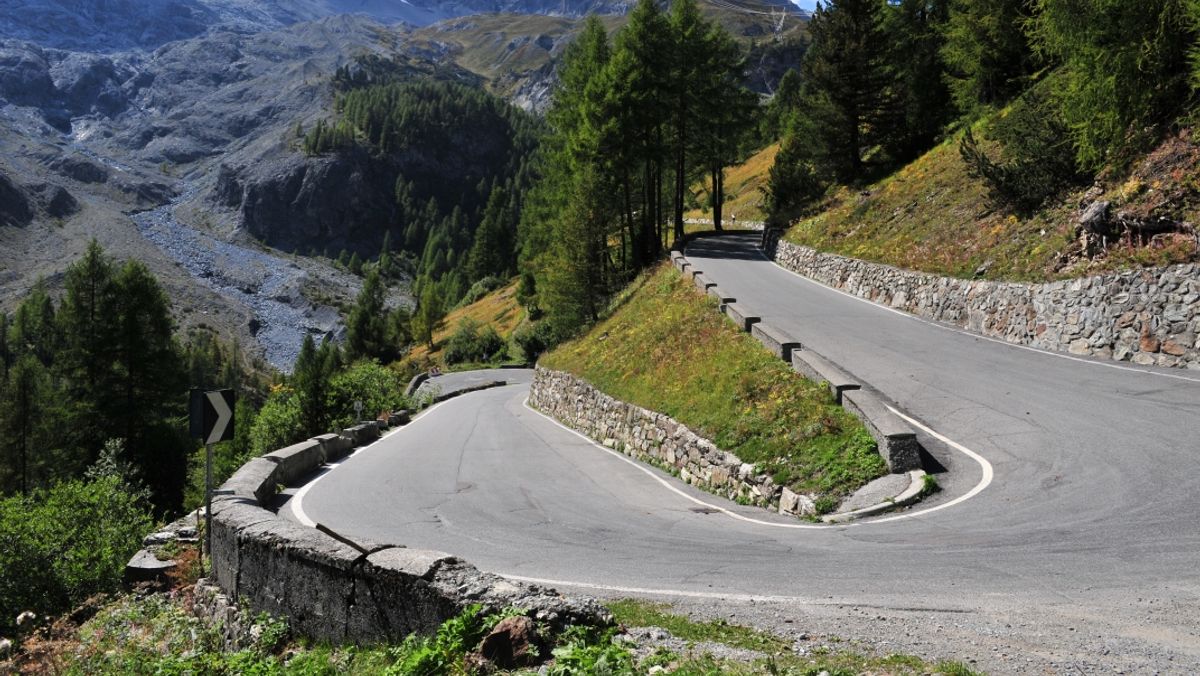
(461, 164)
(1083, 84)
(634, 122)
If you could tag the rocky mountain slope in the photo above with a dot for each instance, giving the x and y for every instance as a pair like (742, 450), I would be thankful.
(115, 25)
(188, 109)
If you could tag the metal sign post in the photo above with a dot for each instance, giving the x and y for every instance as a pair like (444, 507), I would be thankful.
(212, 421)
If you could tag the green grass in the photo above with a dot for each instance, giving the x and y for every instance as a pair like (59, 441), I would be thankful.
(666, 348)
(155, 634)
(638, 613)
(780, 658)
(933, 217)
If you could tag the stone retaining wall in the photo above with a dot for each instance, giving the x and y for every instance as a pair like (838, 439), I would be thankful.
(331, 588)
(658, 439)
(1148, 317)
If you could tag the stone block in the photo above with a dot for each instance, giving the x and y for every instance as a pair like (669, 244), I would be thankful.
(741, 317)
(779, 343)
(255, 479)
(818, 369)
(702, 282)
(297, 460)
(791, 502)
(333, 446)
(146, 567)
(896, 440)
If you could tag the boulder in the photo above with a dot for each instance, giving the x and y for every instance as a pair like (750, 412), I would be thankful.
(512, 644)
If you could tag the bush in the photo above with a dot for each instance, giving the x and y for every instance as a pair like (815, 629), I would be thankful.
(473, 343)
(1037, 160)
(534, 339)
(480, 289)
(278, 424)
(379, 389)
(60, 546)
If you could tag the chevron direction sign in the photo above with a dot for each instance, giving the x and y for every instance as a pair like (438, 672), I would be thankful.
(212, 415)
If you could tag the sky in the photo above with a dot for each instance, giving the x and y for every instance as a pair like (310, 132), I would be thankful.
(809, 5)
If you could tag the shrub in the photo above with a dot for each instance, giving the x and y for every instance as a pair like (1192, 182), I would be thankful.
(1037, 160)
(473, 343)
(278, 424)
(379, 388)
(480, 289)
(62, 545)
(534, 339)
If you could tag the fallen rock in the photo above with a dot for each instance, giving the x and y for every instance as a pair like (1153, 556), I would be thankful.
(512, 643)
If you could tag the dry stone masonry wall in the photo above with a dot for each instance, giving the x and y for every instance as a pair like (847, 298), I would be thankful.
(660, 440)
(335, 589)
(1148, 317)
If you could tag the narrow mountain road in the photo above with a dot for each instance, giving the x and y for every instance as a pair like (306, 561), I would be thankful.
(1081, 554)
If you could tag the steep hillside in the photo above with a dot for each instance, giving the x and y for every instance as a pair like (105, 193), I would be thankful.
(129, 24)
(932, 216)
(498, 309)
(515, 53)
(744, 185)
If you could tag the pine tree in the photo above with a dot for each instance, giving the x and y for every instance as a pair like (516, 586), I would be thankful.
(428, 315)
(26, 423)
(726, 115)
(491, 253)
(367, 326)
(87, 323)
(310, 380)
(638, 87)
(923, 106)
(6, 355)
(847, 83)
(987, 55)
(1125, 66)
(691, 65)
(34, 327)
(147, 388)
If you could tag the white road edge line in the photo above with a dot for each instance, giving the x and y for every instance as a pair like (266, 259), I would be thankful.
(663, 592)
(297, 502)
(984, 481)
(984, 466)
(955, 329)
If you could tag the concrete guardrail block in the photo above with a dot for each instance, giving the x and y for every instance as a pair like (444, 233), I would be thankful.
(896, 440)
(703, 283)
(254, 480)
(297, 460)
(741, 317)
(817, 369)
(775, 340)
(722, 297)
(333, 446)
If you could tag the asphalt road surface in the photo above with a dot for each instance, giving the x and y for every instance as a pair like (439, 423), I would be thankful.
(1091, 517)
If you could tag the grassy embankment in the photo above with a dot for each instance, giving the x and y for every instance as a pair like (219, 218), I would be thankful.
(744, 186)
(498, 309)
(666, 348)
(156, 634)
(933, 217)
